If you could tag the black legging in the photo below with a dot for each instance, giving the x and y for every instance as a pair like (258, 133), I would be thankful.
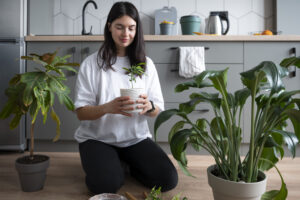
(148, 163)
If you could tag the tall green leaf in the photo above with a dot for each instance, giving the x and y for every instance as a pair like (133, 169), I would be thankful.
(162, 117)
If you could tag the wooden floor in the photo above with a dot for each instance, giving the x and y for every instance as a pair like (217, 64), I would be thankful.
(65, 179)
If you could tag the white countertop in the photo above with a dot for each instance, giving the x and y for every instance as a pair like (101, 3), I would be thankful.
(159, 38)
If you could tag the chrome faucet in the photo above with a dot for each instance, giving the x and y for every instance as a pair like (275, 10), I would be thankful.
(83, 32)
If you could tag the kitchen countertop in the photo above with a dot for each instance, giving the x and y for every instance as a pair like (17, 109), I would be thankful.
(159, 38)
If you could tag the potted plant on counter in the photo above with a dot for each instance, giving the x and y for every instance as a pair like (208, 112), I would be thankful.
(271, 107)
(134, 93)
(32, 92)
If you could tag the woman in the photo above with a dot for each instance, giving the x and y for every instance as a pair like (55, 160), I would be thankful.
(108, 133)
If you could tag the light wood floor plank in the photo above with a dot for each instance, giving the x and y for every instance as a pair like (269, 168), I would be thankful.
(65, 179)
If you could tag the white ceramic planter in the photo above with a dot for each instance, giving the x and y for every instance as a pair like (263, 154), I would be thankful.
(134, 94)
(230, 190)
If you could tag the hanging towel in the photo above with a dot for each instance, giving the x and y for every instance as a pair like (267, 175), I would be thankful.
(191, 61)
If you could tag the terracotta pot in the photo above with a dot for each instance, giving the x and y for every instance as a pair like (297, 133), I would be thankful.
(230, 190)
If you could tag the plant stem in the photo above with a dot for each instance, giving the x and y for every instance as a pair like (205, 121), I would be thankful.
(31, 141)
(251, 148)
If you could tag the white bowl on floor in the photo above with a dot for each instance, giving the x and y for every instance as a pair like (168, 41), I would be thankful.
(108, 196)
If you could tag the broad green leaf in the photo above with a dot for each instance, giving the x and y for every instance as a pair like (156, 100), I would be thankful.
(162, 117)
(33, 108)
(189, 106)
(219, 80)
(275, 194)
(15, 121)
(294, 116)
(14, 80)
(290, 62)
(7, 109)
(271, 143)
(175, 128)
(241, 96)
(28, 95)
(290, 139)
(268, 154)
(185, 86)
(211, 98)
(217, 128)
(184, 169)
(69, 103)
(179, 142)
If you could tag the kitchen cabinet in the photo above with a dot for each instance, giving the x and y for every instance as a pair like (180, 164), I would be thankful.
(256, 52)
(218, 56)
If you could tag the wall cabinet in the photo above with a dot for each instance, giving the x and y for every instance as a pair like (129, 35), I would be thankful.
(255, 52)
(218, 56)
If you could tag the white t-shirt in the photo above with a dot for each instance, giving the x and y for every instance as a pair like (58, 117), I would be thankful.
(95, 86)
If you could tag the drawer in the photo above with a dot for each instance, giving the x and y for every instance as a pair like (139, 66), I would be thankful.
(218, 52)
(169, 79)
(203, 111)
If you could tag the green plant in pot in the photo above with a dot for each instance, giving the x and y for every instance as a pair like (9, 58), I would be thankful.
(32, 92)
(133, 72)
(271, 107)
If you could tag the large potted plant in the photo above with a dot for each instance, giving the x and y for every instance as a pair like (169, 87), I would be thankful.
(133, 72)
(271, 107)
(32, 92)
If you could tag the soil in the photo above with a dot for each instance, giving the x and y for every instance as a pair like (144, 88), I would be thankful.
(218, 174)
(36, 159)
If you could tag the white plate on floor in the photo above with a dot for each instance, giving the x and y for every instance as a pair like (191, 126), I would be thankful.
(108, 196)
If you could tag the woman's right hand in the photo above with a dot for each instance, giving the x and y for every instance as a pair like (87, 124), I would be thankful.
(119, 105)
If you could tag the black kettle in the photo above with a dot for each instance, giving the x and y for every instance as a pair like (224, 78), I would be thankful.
(214, 23)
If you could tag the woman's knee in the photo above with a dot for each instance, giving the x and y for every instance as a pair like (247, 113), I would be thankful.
(169, 180)
(104, 183)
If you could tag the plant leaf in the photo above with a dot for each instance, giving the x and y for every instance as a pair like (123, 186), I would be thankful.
(56, 119)
(290, 139)
(162, 117)
(176, 127)
(178, 143)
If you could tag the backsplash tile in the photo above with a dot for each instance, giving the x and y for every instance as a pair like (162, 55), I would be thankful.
(246, 16)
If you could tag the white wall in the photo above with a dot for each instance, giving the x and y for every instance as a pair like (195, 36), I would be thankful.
(246, 16)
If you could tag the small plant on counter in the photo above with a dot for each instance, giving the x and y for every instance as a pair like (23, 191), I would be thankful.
(271, 106)
(134, 71)
(34, 91)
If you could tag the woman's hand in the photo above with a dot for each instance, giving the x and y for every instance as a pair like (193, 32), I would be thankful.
(119, 105)
(146, 105)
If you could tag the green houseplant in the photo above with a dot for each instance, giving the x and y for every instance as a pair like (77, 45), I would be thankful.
(133, 72)
(32, 92)
(271, 106)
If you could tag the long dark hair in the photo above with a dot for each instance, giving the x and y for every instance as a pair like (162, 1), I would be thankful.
(135, 51)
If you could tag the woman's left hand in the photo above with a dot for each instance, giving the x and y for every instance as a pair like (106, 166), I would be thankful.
(146, 105)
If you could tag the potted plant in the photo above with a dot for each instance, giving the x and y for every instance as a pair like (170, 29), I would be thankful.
(134, 93)
(32, 92)
(271, 106)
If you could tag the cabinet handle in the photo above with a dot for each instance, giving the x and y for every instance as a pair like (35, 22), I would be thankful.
(86, 50)
(206, 48)
(73, 50)
(174, 70)
(292, 69)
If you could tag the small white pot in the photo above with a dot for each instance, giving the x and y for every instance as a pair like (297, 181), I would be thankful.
(230, 190)
(134, 94)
